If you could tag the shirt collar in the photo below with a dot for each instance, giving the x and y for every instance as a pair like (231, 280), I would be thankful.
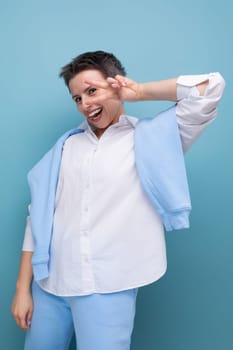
(123, 120)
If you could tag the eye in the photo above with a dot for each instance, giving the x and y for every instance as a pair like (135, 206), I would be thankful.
(77, 99)
(91, 91)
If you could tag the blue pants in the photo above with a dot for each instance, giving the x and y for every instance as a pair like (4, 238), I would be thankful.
(100, 321)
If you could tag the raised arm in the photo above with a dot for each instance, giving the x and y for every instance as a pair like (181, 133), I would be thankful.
(196, 96)
(129, 90)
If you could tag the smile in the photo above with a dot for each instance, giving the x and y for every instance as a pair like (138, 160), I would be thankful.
(95, 114)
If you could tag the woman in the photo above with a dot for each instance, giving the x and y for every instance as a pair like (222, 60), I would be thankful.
(95, 233)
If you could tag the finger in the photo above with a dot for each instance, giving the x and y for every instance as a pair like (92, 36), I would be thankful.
(29, 318)
(111, 80)
(114, 83)
(120, 77)
(121, 80)
(102, 84)
(21, 322)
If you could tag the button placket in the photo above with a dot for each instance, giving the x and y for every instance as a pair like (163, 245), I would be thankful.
(85, 246)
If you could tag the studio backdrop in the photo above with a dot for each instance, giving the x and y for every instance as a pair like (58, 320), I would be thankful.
(190, 308)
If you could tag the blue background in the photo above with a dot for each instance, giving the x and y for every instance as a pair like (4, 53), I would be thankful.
(191, 306)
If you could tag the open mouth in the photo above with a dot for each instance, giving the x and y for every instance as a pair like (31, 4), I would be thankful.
(95, 115)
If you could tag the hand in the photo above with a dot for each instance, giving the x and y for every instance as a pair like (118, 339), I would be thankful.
(22, 309)
(119, 87)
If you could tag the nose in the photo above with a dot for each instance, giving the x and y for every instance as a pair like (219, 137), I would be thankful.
(86, 102)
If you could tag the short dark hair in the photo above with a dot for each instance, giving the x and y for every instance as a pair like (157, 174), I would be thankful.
(104, 62)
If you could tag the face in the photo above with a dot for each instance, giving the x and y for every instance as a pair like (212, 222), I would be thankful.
(99, 115)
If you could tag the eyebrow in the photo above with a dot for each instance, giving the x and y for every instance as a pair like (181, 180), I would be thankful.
(85, 90)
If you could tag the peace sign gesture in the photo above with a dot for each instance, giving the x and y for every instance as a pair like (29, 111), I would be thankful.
(118, 87)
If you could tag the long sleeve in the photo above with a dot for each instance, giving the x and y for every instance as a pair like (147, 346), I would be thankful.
(28, 244)
(195, 112)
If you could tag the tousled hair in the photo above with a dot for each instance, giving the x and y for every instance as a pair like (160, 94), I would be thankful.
(102, 61)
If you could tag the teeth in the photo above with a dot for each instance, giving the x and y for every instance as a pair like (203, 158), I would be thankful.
(95, 112)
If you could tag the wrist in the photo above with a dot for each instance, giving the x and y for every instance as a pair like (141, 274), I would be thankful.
(148, 91)
(141, 92)
(23, 287)
(158, 90)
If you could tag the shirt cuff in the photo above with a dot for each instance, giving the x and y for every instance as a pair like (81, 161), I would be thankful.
(186, 82)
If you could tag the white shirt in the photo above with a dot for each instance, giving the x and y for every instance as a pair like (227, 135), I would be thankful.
(107, 237)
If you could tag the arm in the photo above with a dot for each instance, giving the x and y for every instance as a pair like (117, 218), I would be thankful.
(22, 305)
(197, 100)
(127, 89)
(165, 90)
(197, 97)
